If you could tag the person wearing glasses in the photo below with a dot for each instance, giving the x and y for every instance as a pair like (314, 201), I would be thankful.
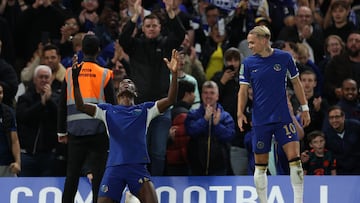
(342, 138)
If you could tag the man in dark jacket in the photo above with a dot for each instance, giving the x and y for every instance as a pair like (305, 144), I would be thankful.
(36, 114)
(342, 139)
(86, 137)
(149, 72)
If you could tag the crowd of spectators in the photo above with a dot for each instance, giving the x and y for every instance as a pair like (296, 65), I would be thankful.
(322, 36)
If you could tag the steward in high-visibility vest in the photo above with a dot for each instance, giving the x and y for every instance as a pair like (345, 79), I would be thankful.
(86, 137)
(92, 79)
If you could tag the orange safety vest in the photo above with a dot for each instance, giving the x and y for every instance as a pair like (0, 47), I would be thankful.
(92, 80)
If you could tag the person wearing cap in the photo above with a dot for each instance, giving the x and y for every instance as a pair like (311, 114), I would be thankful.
(127, 124)
(86, 137)
(267, 71)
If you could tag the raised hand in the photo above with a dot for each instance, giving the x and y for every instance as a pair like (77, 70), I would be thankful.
(169, 4)
(137, 7)
(174, 62)
(75, 68)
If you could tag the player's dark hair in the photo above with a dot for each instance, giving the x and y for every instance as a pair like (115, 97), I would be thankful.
(183, 87)
(314, 134)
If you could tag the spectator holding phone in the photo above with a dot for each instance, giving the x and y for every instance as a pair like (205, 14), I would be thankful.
(228, 83)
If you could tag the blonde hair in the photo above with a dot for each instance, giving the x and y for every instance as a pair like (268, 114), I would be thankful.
(261, 31)
(303, 50)
(336, 37)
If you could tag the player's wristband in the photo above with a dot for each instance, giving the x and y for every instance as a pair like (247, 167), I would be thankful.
(305, 107)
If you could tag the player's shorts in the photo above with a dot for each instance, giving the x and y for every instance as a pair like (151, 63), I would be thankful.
(116, 178)
(283, 132)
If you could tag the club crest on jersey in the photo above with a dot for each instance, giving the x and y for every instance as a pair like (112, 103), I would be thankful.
(104, 188)
(260, 145)
(277, 67)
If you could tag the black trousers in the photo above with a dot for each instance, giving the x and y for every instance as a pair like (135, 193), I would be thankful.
(93, 150)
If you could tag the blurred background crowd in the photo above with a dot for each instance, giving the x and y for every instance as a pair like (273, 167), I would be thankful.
(323, 37)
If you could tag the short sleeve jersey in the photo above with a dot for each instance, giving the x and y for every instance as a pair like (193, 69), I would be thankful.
(127, 127)
(268, 77)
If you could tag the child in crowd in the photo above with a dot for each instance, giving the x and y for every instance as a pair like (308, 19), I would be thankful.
(318, 161)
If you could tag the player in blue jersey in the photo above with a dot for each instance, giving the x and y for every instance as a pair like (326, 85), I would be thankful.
(127, 124)
(267, 71)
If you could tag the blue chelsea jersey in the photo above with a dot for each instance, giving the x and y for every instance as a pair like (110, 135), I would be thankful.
(127, 127)
(268, 77)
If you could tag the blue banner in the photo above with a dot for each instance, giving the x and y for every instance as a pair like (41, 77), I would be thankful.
(211, 189)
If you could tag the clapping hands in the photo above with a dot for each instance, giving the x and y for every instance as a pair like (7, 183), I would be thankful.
(210, 111)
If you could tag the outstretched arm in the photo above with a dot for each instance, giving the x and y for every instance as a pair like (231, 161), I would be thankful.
(164, 103)
(79, 102)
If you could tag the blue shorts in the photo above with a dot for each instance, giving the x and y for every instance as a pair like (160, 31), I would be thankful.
(116, 178)
(283, 132)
